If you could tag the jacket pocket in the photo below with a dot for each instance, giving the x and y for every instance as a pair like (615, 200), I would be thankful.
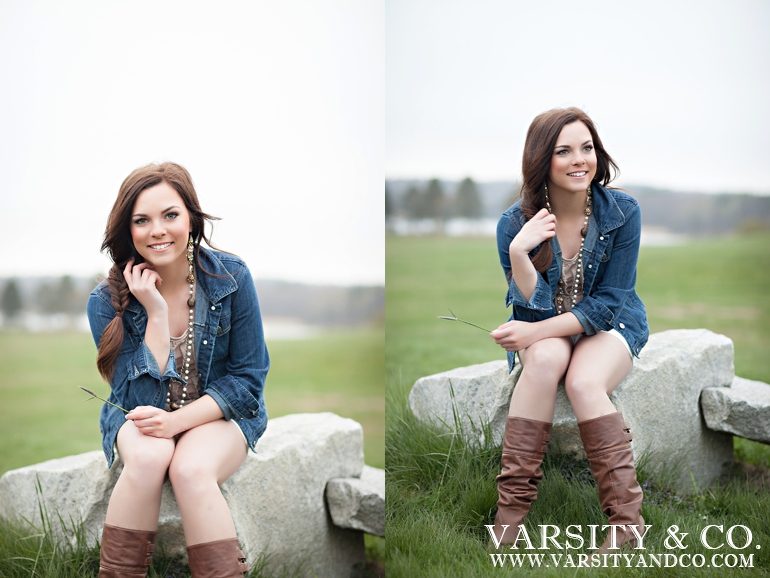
(222, 339)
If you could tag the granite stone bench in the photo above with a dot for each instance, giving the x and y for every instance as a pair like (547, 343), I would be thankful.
(678, 373)
(304, 498)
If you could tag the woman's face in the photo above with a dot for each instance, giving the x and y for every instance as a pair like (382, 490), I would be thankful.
(573, 162)
(160, 225)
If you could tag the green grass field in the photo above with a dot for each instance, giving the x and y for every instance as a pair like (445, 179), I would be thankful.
(44, 415)
(440, 492)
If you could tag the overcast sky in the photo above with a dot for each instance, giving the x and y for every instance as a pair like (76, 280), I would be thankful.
(276, 109)
(679, 89)
(288, 114)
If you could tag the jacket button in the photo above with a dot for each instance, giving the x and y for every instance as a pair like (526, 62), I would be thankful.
(590, 266)
(205, 342)
(601, 238)
(622, 325)
(213, 308)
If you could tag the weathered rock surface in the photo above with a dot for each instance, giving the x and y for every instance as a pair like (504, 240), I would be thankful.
(659, 400)
(359, 503)
(742, 409)
(276, 497)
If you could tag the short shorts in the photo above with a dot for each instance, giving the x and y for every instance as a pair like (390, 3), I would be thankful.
(613, 332)
(243, 435)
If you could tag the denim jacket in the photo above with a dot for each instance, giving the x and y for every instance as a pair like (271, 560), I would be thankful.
(229, 346)
(609, 270)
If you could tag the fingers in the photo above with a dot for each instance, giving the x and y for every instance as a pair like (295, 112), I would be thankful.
(142, 412)
(127, 272)
(141, 276)
(147, 420)
(545, 216)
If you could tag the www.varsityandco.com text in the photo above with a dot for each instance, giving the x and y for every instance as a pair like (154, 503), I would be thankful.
(728, 547)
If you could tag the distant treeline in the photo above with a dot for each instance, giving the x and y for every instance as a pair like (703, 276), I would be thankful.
(322, 304)
(310, 304)
(689, 213)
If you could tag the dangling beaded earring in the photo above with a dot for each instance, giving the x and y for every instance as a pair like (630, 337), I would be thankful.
(191, 270)
(577, 283)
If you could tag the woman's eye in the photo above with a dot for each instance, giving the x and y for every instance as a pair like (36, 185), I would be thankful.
(562, 152)
(140, 221)
(172, 215)
(588, 148)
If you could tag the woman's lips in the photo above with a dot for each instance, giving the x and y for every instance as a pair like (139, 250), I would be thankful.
(160, 246)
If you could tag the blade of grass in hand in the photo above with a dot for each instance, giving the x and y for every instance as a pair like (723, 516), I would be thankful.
(92, 394)
(455, 318)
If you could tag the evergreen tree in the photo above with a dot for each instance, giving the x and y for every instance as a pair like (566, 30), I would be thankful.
(468, 201)
(435, 204)
(413, 203)
(11, 302)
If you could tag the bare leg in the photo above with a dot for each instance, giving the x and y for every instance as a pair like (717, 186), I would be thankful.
(135, 500)
(204, 458)
(543, 365)
(599, 363)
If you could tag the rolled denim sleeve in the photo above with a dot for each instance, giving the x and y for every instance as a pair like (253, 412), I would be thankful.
(135, 367)
(540, 300)
(599, 310)
(239, 393)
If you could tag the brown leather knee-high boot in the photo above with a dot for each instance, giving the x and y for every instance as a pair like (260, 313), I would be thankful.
(218, 559)
(607, 441)
(125, 553)
(524, 445)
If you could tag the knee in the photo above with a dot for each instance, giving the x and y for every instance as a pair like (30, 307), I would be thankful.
(150, 465)
(545, 363)
(581, 386)
(189, 476)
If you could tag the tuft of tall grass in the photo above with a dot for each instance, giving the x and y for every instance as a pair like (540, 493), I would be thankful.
(27, 551)
(31, 551)
(441, 492)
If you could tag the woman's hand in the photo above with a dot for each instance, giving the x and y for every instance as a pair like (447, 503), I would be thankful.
(538, 229)
(143, 282)
(154, 422)
(515, 335)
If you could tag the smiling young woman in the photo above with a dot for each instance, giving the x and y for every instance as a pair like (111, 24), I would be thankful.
(569, 249)
(180, 341)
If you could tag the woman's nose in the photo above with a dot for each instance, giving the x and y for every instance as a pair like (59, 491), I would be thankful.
(158, 230)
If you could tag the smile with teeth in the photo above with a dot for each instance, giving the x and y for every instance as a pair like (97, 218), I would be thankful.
(161, 246)
(578, 174)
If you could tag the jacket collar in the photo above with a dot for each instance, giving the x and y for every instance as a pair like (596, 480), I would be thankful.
(606, 214)
(220, 283)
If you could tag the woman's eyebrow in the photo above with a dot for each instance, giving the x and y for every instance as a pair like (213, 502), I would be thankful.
(171, 208)
(589, 141)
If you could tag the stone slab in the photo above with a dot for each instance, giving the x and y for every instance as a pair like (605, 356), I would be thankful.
(359, 503)
(743, 409)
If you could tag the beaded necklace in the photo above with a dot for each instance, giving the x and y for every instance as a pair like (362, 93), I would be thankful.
(577, 283)
(190, 331)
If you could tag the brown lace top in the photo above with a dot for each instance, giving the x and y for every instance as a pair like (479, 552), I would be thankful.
(190, 374)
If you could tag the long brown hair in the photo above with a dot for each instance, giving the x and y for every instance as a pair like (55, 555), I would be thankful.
(536, 162)
(119, 246)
